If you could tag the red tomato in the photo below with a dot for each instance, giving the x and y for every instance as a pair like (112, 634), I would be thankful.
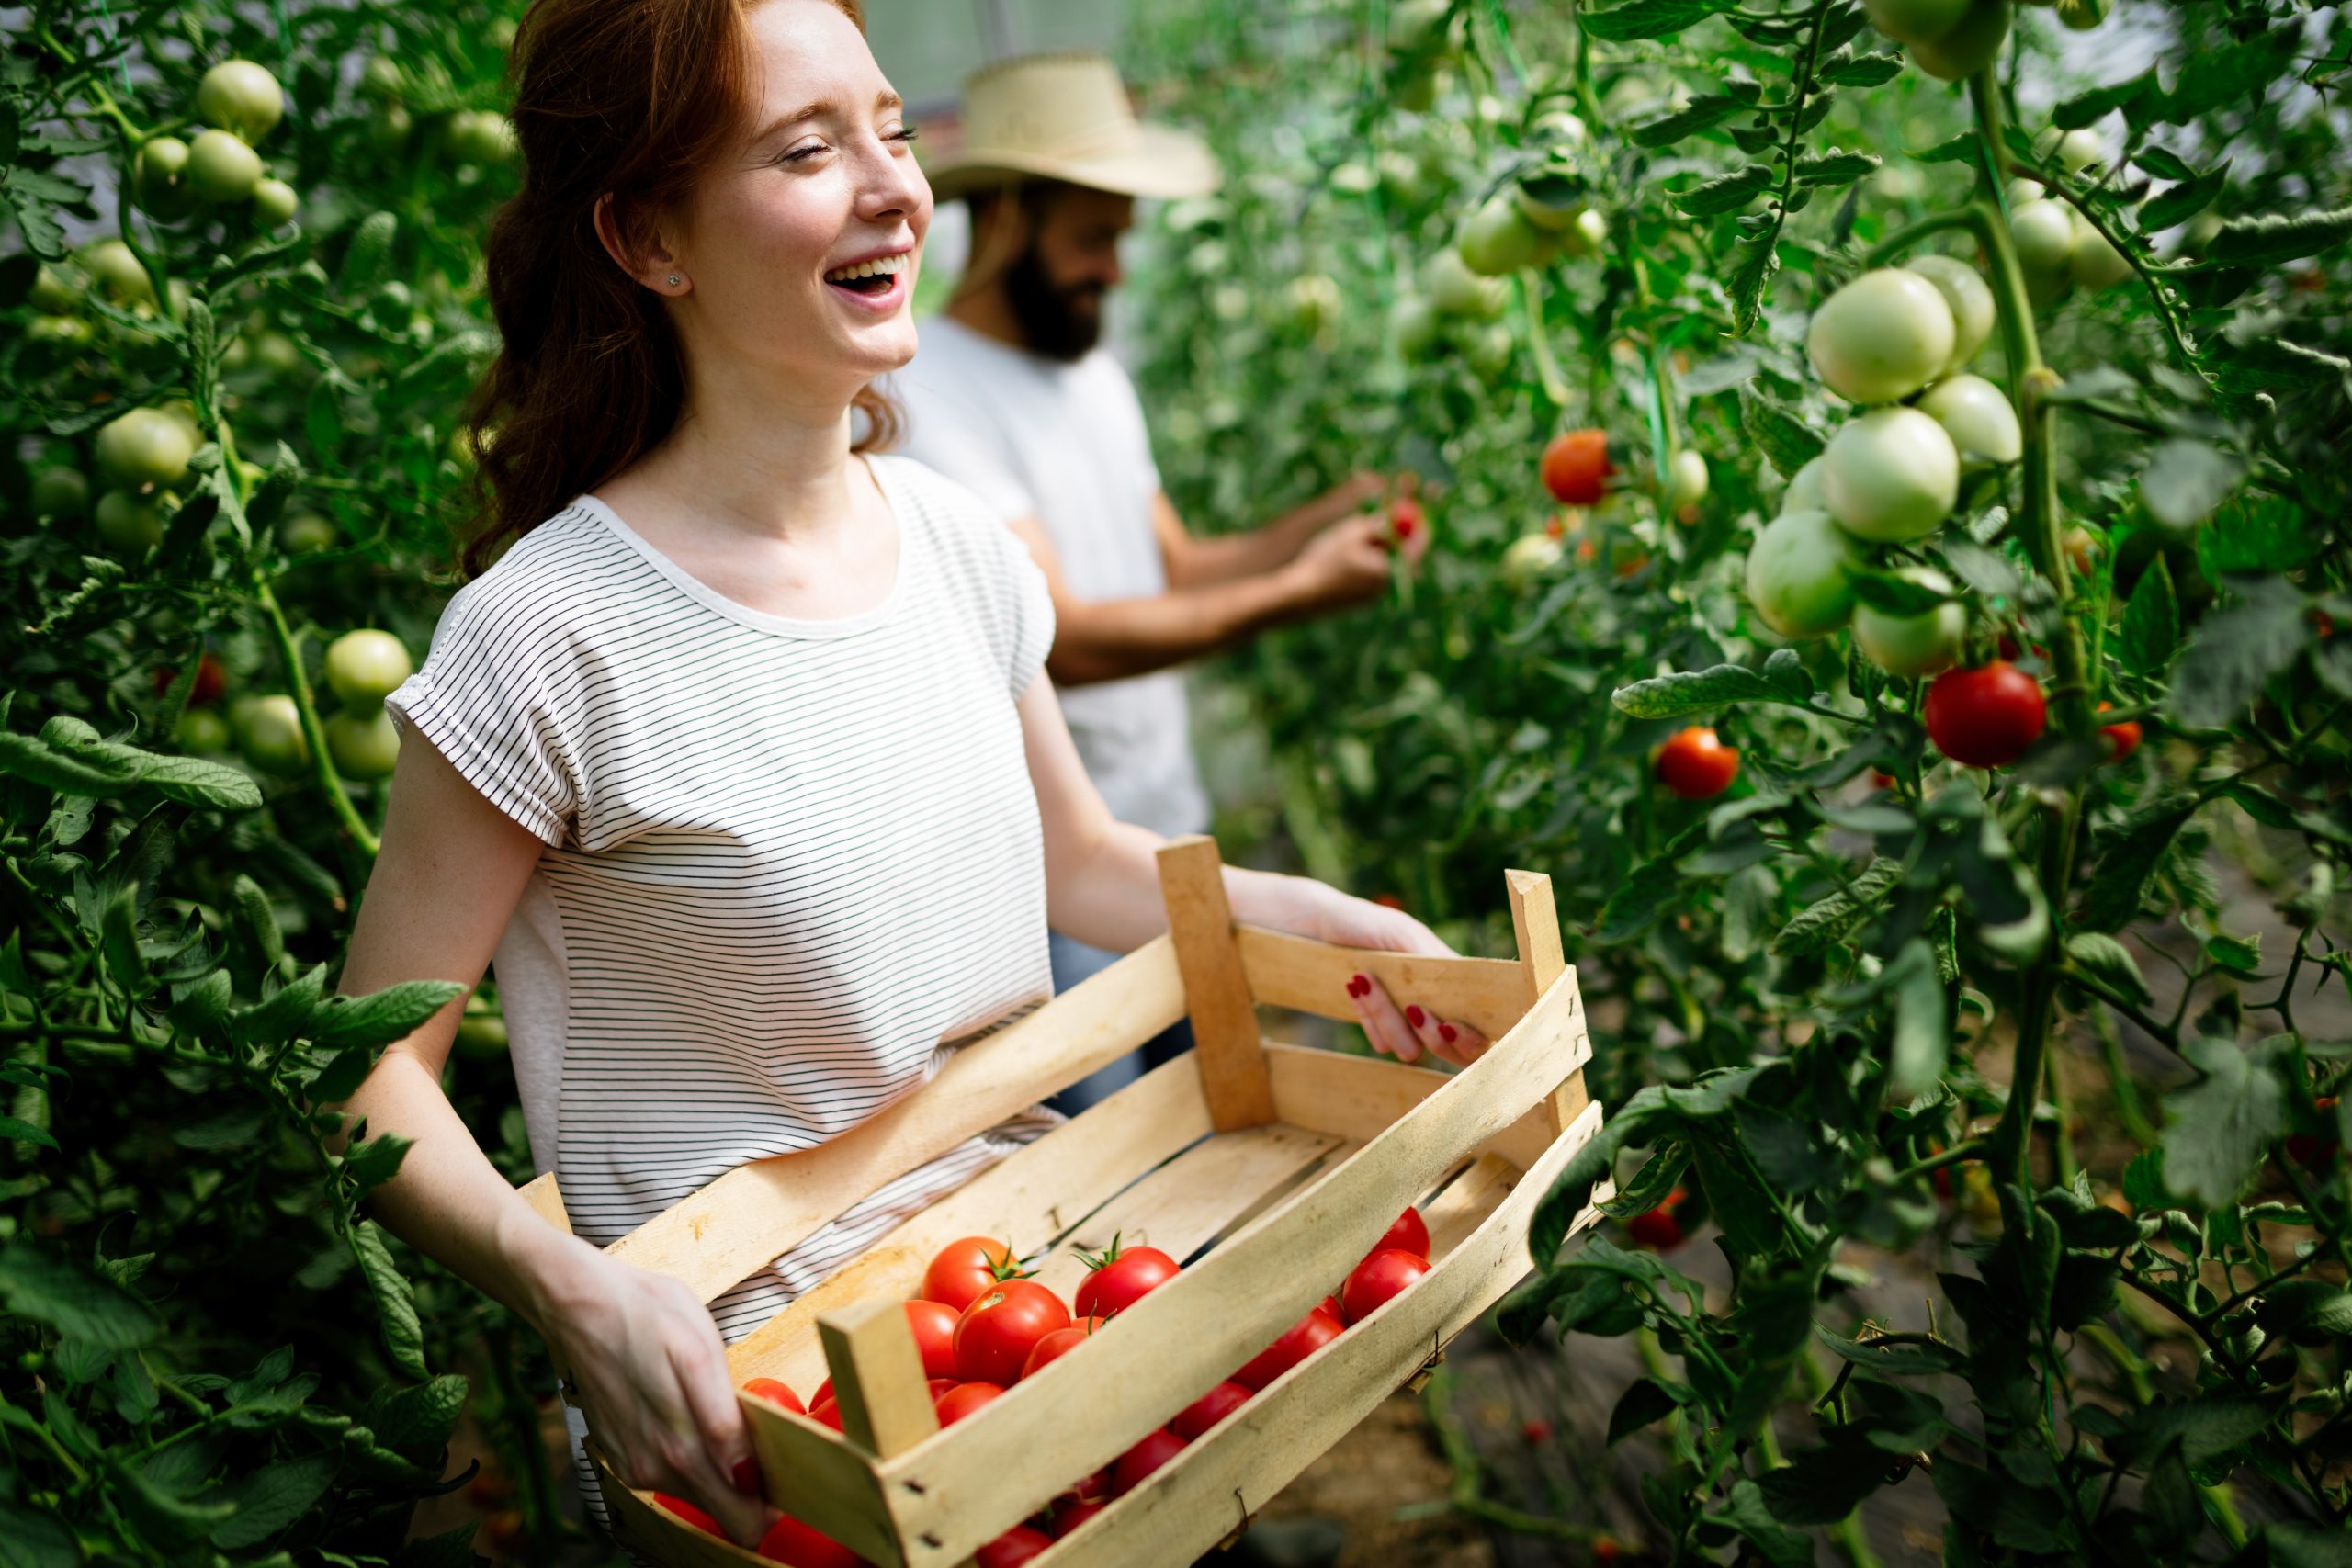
(2310, 1149)
(1095, 1488)
(1014, 1547)
(1157, 1448)
(1331, 1306)
(1536, 1431)
(1208, 1410)
(1117, 1279)
(1379, 1280)
(691, 1514)
(1985, 717)
(997, 1331)
(939, 1387)
(1576, 468)
(1300, 1340)
(2123, 739)
(1605, 1551)
(1057, 1344)
(826, 1413)
(1694, 765)
(962, 1399)
(1409, 1232)
(778, 1393)
(1405, 517)
(824, 1394)
(1070, 1516)
(934, 1326)
(212, 681)
(790, 1542)
(1658, 1230)
(963, 1268)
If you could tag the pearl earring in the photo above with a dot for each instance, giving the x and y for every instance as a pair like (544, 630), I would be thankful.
(675, 280)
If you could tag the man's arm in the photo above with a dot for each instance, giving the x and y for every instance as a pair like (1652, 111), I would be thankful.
(1193, 560)
(1108, 639)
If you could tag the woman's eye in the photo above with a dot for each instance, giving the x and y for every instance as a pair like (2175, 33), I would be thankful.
(797, 155)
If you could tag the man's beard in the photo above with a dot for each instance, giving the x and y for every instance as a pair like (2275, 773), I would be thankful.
(1052, 322)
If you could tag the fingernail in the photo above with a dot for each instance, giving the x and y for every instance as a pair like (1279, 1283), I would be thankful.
(1359, 986)
(747, 1475)
(1448, 1034)
(1416, 1017)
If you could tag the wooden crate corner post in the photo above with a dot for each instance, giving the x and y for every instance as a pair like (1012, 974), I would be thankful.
(1229, 1049)
(1535, 923)
(878, 1376)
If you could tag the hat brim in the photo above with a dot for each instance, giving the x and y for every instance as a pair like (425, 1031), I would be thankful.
(1157, 162)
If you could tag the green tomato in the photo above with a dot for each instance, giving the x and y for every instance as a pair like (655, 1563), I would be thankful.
(1800, 574)
(159, 177)
(118, 273)
(1881, 338)
(130, 524)
(1913, 646)
(274, 203)
(1586, 235)
(1978, 417)
(278, 354)
(481, 136)
(2082, 16)
(222, 169)
(1551, 201)
(240, 97)
(1498, 240)
(1804, 493)
(306, 533)
(388, 127)
(1559, 128)
(61, 492)
(1488, 349)
(1419, 27)
(2043, 232)
(1890, 474)
(1311, 305)
(1915, 21)
(2077, 150)
(59, 329)
(1969, 47)
(1530, 557)
(1969, 299)
(1454, 290)
(1686, 481)
(144, 448)
(482, 1035)
(1403, 179)
(203, 732)
(56, 290)
(2094, 263)
(269, 733)
(363, 746)
(382, 79)
(1414, 322)
(182, 413)
(365, 667)
(1418, 89)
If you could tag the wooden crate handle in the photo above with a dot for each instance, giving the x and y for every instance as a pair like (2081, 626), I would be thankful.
(1535, 923)
(1216, 988)
(878, 1376)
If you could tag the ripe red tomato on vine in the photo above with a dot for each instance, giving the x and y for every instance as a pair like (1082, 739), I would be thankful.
(1985, 717)
(1659, 1229)
(1694, 764)
(1577, 469)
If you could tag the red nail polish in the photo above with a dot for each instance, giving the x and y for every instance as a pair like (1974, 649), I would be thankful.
(1448, 1034)
(1416, 1017)
(1358, 986)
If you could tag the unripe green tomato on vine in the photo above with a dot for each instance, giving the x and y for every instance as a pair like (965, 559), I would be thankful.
(1551, 201)
(388, 127)
(1804, 493)
(182, 413)
(1530, 557)
(1978, 416)
(278, 354)
(305, 533)
(1686, 481)
(2094, 263)
(2076, 150)
(144, 448)
(2082, 16)
(1915, 21)
(480, 135)
(1967, 297)
(130, 524)
(269, 733)
(1969, 47)
(59, 329)
(1881, 338)
(1890, 475)
(365, 667)
(1913, 646)
(1559, 128)
(1497, 239)
(363, 746)
(203, 733)
(241, 98)
(1311, 304)
(1414, 322)
(1419, 27)
(274, 203)
(1800, 574)
(118, 273)
(222, 169)
(55, 289)
(1419, 86)
(159, 177)
(1488, 349)
(2043, 232)
(1454, 290)
(61, 492)
(380, 79)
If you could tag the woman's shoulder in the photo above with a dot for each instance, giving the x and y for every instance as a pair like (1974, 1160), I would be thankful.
(952, 515)
(564, 572)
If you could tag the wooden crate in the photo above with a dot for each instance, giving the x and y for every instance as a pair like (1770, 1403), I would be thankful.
(1267, 1170)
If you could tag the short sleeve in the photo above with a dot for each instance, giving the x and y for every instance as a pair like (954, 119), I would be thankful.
(479, 701)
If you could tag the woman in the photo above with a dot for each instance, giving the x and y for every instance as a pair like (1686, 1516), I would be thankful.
(739, 760)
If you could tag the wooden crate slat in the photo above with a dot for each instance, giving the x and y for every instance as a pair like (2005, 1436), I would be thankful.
(1216, 987)
(836, 1496)
(1466, 1201)
(1028, 1198)
(758, 1211)
(1312, 977)
(1358, 1096)
(1212, 1487)
(1535, 923)
(959, 1490)
(1194, 1198)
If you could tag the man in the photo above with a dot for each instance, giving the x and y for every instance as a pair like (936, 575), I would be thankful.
(1010, 393)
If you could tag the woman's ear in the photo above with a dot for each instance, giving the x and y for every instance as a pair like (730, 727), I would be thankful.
(640, 250)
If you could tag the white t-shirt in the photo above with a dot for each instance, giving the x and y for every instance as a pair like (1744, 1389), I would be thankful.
(788, 863)
(1066, 442)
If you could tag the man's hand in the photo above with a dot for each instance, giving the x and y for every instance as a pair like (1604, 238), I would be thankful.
(1353, 493)
(1346, 564)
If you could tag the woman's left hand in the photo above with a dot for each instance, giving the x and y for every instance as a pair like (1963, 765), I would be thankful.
(1404, 1032)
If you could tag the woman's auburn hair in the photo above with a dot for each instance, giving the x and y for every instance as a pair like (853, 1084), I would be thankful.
(631, 99)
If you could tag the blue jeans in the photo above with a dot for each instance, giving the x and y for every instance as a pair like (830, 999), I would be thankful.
(1073, 962)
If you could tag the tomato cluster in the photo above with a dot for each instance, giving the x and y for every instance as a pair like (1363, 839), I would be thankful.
(981, 1325)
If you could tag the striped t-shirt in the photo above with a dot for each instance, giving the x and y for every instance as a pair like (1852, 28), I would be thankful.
(788, 863)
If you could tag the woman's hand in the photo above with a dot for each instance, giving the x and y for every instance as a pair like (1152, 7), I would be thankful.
(1310, 908)
(649, 1369)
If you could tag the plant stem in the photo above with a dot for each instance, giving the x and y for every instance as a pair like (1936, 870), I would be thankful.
(298, 685)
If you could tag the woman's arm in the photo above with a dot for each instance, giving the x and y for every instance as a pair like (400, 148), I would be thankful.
(1102, 888)
(645, 1356)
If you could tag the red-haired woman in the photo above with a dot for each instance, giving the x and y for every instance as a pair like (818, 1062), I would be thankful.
(737, 761)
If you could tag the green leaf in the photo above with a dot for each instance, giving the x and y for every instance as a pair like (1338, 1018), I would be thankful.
(286, 1016)
(1896, 595)
(322, 420)
(420, 1419)
(1701, 113)
(2113, 899)
(2105, 958)
(29, 1540)
(2294, 1545)
(395, 1303)
(1645, 19)
(74, 1301)
(2185, 480)
(271, 1498)
(119, 941)
(378, 1018)
(1724, 193)
(1921, 1037)
(24, 757)
(1836, 167)
(1644, 1403)
(1864, 71)
(2305, 1306)
(231, 1128)
(1909, 1360)
(1822, 1485)
(1747, 1515)
(363, 259)
(2259, 537)
(1960, 149)
(1643, 895)
(377, 1161)
(1823, 923)
(1688, 691)
(2220, 1128)
(2150, 634)
(2082, 108)
(2255, 242)
(1755, 261)
(1786, 441)
(2235, 652)
(2183, 202)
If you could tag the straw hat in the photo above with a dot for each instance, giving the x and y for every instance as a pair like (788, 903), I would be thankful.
(1065, 116)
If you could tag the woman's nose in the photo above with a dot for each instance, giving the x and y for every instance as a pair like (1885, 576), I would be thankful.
(892, 185)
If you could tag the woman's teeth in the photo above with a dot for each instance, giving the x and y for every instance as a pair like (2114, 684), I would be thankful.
(882, 267)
